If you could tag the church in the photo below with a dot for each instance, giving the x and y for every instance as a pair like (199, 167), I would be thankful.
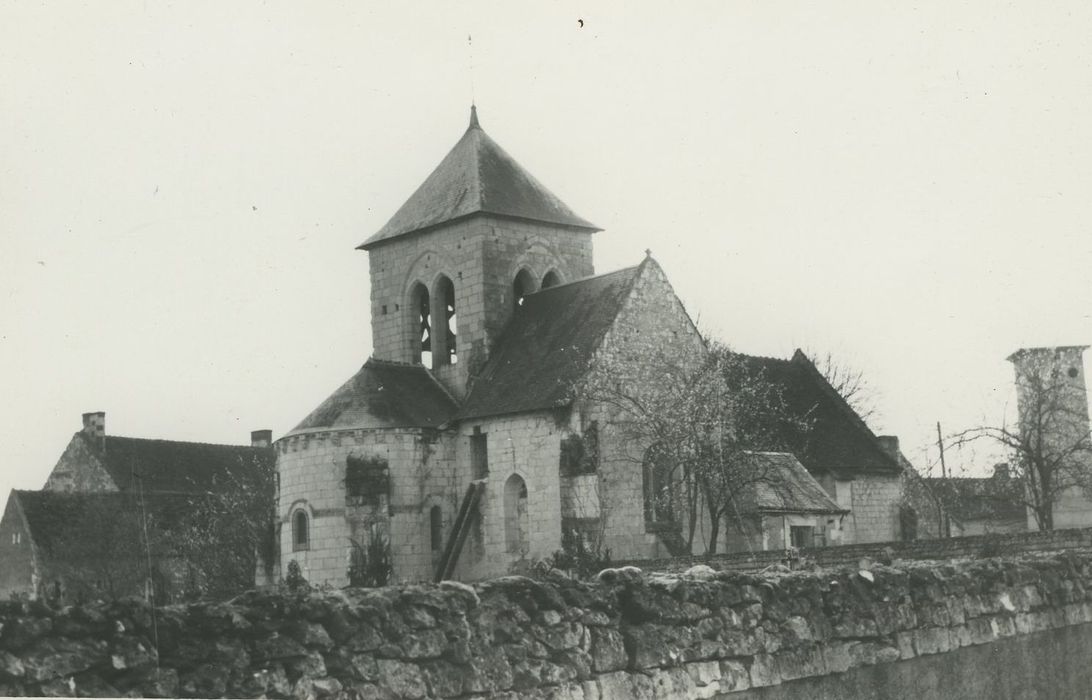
(464, 446)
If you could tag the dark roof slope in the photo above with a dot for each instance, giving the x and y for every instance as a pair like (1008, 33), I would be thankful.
(78, 520)
(384, 395)
(548, 345)
(167, 466)
(838, 439)
(787, 487)
(477, 176)
(993, 498)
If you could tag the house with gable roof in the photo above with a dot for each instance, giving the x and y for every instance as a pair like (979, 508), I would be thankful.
(860, 470)
(463, 446)
(112, 504)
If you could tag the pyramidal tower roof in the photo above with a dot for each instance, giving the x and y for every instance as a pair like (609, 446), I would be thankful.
(477, 176)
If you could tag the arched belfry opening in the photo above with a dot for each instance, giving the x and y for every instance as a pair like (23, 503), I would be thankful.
(420, 308)
(551, 279)
(515, 515)
(446, 352)
(523, 285)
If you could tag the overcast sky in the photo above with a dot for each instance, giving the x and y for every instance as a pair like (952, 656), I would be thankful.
(182, 186)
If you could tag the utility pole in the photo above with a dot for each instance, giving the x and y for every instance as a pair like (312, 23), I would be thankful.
(940, 445)
(945, 527)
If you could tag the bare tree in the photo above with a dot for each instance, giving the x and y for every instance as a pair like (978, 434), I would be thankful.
(693, 426)
(848, 381)
(1049, 449)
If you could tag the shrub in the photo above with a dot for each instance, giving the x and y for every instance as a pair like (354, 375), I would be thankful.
(370, 565)
(294, 579)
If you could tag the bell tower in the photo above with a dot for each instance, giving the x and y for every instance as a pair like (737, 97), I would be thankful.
(452, 265)
(1052, 402)
(1051, 392)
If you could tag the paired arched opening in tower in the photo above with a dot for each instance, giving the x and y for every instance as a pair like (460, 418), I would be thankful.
(523, 285)
(433, 323)
(516, 525)
(420, 307)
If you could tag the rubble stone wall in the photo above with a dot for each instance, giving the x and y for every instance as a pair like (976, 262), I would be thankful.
(703, 635)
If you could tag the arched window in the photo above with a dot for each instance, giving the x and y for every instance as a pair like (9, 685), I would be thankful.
(436, 528)
(515, 515)
(523, 285)
(659, 490)
(420, 308)
(301, 537)
(445, 309)
(552, 279)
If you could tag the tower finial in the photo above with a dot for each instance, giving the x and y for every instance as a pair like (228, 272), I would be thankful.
(474, 116)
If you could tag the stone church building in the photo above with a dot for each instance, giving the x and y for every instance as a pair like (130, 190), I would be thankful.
(464, 442)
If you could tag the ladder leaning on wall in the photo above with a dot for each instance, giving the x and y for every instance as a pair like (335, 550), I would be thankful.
(460, 530)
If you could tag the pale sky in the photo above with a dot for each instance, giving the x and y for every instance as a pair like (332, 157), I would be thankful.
(182, 187)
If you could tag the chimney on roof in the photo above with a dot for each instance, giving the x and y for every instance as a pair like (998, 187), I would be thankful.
(890, 445)
(1001, 470)
(94, 424)
(261, 438)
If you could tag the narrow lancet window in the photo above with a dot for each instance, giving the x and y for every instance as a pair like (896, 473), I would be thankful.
(436, 528)
(445, 297)
(301, 538)
(421, 314)
(515, 515)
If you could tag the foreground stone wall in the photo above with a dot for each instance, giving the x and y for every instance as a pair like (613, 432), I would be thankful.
(629, 636)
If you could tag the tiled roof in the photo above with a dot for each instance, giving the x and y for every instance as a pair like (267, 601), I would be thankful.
(477, 176)
(838, 439)
(168, 466)
(384, 395)
(991, 498)
(787, 487)
(65, 518)
(547, 345)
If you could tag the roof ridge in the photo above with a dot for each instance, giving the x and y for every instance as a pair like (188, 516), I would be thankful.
(762, 357)
(182, 442)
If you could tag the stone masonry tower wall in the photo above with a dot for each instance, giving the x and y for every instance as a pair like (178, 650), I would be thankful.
(1054, 375)
(482, 256)
(448, 268)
